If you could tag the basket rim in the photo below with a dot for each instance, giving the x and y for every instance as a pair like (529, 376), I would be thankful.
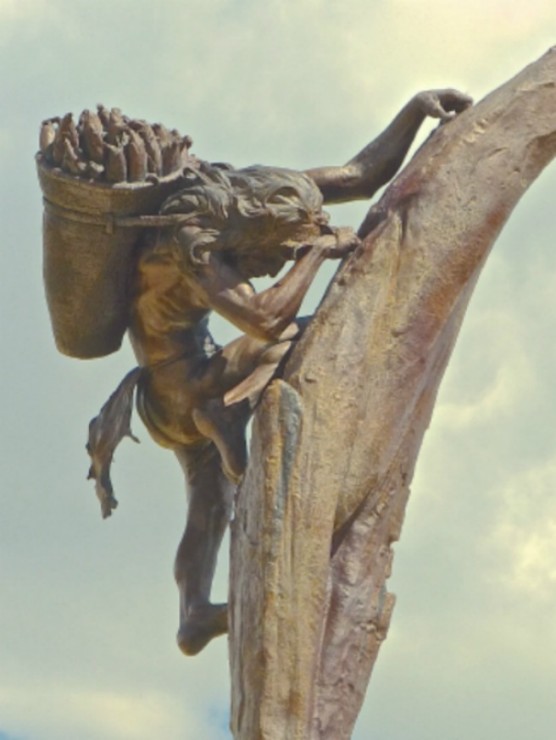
(56, 173)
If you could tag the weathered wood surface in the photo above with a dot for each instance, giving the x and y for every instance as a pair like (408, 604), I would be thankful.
(335, 443)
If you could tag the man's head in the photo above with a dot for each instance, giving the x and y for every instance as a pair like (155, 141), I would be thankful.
(256, 217)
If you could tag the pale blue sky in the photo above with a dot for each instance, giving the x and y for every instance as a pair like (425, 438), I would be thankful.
(89, 608)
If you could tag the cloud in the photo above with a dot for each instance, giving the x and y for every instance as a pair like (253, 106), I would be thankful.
(498, 373)
(90, 713)
(523, 542)
(17, 16)
(12, 10)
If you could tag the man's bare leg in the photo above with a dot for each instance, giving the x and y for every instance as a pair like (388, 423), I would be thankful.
(235, 378)
(210, 496)
(225, 427)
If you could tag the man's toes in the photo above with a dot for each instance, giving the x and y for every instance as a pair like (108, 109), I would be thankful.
(201, 626)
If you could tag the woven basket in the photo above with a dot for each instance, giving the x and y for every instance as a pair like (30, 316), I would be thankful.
(90, 231)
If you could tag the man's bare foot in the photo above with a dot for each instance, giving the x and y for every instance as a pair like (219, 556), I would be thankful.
(200, 626)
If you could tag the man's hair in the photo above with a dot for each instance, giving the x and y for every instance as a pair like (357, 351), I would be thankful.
(255, 216)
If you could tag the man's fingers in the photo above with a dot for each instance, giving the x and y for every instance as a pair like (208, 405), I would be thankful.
(444, 104)
(457, 101)
(346, 241)
(438, 111)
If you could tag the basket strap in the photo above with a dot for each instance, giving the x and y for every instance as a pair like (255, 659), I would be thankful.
(110, 221)
(149, 222)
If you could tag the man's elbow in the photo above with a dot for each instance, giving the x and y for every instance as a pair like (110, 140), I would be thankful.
(271, 328)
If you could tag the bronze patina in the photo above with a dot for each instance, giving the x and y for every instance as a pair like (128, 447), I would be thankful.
(219, 228)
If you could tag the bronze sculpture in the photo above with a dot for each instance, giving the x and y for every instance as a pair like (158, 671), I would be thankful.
(194, 397)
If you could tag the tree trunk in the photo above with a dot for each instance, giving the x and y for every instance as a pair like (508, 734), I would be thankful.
(335, 442)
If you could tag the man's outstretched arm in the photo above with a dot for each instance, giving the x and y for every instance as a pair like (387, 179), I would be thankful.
(379, 161)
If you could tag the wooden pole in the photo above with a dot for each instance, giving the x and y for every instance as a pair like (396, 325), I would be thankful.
(336, 441)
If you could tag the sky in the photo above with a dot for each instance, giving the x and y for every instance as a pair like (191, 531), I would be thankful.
(88, 608)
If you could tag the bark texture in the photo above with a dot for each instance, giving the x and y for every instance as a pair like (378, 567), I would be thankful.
(335, 442)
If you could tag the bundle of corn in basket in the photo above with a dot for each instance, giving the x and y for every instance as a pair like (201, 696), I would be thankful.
(103, 179)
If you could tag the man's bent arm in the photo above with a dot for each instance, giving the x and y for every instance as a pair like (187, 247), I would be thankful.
(265, 315)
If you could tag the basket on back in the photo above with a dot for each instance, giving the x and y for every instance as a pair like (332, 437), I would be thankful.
(93, 220)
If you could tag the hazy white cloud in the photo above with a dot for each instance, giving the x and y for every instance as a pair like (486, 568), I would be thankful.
(11, 10)
(64, 711)
(524, 537)
(495, 386)
(18, 15)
